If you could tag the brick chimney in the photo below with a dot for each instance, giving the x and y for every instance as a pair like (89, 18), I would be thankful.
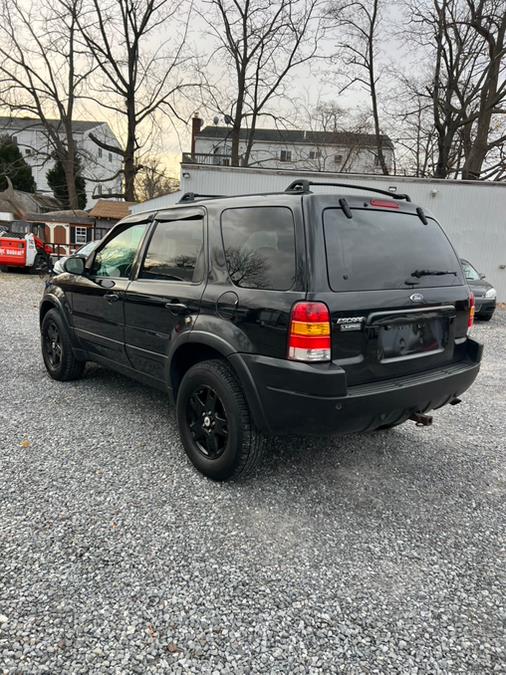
(196, 127)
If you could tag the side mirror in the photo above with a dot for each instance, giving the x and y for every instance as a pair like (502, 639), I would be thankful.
(74, 265)
(482, 276)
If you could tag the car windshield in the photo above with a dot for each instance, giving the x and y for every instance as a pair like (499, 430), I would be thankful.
(470, 273)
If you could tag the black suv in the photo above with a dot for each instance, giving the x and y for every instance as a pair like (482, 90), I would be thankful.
(277, 313)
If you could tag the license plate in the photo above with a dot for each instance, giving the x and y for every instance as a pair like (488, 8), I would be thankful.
(413, 338)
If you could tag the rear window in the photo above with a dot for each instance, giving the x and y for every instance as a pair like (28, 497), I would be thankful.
(383, 250)
(259, 245)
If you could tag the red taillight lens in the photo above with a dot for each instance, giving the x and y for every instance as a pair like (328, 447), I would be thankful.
(309, 338)
(470, 319)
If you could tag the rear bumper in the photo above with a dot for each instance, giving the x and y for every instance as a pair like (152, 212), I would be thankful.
(304, 398)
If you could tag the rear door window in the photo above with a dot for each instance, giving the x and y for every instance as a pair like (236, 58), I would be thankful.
(259, 245)
(383, 250)
(175, 252)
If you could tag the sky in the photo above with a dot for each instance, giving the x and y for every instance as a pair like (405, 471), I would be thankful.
(308, 85)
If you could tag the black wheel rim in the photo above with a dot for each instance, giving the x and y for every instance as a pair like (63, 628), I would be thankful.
(52, 344)
(207, 421)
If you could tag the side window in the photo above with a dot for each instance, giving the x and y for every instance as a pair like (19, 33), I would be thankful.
(259, 245)
(470, 273)
(176, 252)
(117, 256)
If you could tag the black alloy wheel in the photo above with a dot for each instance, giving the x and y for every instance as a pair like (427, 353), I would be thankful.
(207, 421)
(214, 420)
(56, 346)
(52, 344)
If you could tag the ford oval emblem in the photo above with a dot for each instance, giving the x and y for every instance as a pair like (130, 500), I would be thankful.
(416, 297)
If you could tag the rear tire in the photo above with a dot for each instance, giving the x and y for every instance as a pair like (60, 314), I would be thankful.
(59, 359)
(215, 422)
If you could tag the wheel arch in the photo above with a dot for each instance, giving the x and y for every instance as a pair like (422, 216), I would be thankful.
(197, 347)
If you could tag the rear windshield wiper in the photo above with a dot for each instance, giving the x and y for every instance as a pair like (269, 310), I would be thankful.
(431, 273)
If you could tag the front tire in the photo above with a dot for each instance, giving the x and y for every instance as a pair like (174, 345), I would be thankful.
(215, 422)
(59, 359)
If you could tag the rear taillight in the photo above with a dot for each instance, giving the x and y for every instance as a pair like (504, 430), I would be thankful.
(309, 338)
(470, 319)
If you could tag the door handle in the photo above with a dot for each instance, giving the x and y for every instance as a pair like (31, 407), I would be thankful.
(177, 307)
(111, 297)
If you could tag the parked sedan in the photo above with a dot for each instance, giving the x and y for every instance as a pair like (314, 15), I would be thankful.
(83, 252)
(484, 293)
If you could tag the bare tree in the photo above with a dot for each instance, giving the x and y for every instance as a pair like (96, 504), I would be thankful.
(465, 44)
(343, 136)
(42, 73)
(153, 180)
(357, 23)
(263, 41)
(141, 73)
(488, 19)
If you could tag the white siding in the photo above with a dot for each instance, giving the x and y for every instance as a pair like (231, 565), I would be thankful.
(473, 214)
(323, 158)
(37, 152)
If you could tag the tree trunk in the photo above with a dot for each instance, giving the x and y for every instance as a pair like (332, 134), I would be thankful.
(374, 97)
(129, 161)
(69, 167)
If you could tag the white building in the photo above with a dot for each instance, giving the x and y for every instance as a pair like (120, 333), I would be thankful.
(97, 164)
(291, 149)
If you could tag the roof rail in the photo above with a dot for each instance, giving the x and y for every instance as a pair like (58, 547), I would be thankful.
(194, 197)
(304, 186)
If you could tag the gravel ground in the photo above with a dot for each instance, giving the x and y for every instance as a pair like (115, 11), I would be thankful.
(378, 553)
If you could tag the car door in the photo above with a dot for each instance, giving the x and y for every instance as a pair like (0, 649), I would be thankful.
(98, 295)
(164, 298)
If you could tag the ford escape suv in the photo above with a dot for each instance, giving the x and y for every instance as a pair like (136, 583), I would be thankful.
(307, 311)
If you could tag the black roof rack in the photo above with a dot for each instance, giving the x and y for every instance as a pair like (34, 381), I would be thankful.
(304, 186)
(194, 197)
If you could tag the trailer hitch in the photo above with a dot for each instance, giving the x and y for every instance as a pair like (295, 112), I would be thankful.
(421, 419)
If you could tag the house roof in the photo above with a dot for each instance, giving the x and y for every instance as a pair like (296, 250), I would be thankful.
(69, 216)
(22, 123)
(296, 136)
(110, 209)
(19, 202)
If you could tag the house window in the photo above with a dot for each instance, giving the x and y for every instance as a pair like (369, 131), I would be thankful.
(110, 156)
(100, 152)
(99, 189)
(109, 190)
(81, 235)
(338, 159)
(285, 156)
(376, 160)
(315, 154)
(28, 151)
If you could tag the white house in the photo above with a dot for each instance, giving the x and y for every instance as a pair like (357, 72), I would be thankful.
(292, 149)
(98, 164)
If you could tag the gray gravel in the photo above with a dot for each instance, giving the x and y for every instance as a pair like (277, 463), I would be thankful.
(378, 553)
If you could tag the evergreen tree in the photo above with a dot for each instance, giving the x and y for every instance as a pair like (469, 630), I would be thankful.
(12, 164)
(58, 184)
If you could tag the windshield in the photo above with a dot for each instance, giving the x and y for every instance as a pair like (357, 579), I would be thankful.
(470, 273)
(384, 250)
